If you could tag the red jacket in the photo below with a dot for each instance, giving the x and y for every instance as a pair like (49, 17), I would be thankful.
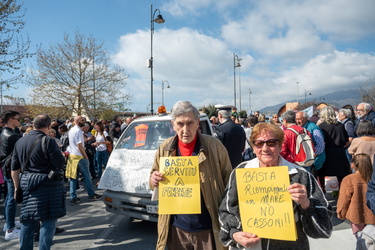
(288, 151)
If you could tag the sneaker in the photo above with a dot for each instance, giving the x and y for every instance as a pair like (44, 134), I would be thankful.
(95, 197)
(81, 189)
(75, 201)
(14, 234)
(17, 223)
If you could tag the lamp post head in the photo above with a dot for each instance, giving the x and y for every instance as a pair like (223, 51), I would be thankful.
(159, 19)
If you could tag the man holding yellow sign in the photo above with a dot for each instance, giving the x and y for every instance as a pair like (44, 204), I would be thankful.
(190, 172)
(256, 210)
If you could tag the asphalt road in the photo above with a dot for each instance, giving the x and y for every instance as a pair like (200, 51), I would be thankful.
(89, 226)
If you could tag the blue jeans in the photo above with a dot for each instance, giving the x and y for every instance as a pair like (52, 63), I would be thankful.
(83, 168)
(47, 230)
(10, 205)
(101, 158)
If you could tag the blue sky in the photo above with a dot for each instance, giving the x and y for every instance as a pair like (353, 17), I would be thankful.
(325, 45)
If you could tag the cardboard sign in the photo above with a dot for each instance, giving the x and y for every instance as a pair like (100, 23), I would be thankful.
(266, 208)
(179, 193)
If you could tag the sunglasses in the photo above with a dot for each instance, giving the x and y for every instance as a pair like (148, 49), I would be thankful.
(16, 119)
(270, 143)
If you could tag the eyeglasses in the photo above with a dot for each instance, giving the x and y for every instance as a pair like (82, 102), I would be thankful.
(18, 119)
(270, 143)
(360, 110)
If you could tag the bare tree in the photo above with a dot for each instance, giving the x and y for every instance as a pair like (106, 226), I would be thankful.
(13, 46)
(77, 75)
(367, 92)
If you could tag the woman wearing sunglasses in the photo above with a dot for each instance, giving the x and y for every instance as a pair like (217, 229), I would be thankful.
(311, 209)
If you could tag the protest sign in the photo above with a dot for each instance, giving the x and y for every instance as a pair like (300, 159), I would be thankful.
(179, 193)
(266, 208)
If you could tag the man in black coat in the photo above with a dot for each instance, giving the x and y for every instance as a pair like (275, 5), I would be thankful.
(8, 139)
(230, 134)
(41, 163)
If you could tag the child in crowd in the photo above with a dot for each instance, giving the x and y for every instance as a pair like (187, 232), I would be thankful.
(351, 204)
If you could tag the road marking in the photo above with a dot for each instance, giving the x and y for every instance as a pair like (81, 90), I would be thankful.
(103, 236)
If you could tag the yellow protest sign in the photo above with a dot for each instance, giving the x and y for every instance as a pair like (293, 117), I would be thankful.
(179, 193)
(266, 208)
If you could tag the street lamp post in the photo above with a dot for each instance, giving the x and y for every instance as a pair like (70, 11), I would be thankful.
(86, 63)
(239, 80)
(250, 99)
(162, 90)
(236, 63)
(93, 81)
(297, 94)
(158, 19)
(307, 93)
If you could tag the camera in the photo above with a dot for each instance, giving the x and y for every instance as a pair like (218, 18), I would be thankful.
(57, 175)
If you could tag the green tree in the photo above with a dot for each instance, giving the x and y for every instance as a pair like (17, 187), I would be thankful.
(13, 45)
(77, 75)
(242, 114)
(210, 110)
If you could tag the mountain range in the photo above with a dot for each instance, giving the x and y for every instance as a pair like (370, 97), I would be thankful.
(336, 99)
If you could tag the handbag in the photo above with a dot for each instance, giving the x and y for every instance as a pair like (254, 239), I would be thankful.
(109, 146)
(366, 238)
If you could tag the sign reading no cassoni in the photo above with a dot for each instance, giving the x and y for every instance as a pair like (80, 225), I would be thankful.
(179, 193)
(266, 207)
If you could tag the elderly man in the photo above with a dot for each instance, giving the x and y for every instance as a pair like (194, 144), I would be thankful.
(230, 134)
(193, 231)
(288, 151)
(364, 112)
(302, 120)
(128, 120)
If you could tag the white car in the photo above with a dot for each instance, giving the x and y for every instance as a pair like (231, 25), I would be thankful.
(126, 177)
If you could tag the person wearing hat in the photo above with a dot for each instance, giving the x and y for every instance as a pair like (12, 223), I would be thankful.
(230, 134)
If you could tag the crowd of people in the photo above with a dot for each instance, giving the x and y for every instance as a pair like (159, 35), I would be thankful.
(34, 158)
(338, 141)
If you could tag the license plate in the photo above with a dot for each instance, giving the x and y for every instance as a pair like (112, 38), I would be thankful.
(152, 209)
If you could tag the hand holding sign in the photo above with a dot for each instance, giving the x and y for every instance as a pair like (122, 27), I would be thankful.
(299, 194)
(246, 239)
(156, 177)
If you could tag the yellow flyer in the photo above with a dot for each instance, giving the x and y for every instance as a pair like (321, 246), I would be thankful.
(179, 193)
(266, 208)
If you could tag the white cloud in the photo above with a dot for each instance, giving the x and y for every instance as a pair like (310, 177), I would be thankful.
(280, 42)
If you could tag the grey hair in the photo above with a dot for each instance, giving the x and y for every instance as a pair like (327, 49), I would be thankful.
(366, 106)
(289, 116)
(225, 113)
(346, 112)
(304, 114)
(182, 108)
(328, 115)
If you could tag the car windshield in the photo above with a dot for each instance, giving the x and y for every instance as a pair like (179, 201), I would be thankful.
(145, 135)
